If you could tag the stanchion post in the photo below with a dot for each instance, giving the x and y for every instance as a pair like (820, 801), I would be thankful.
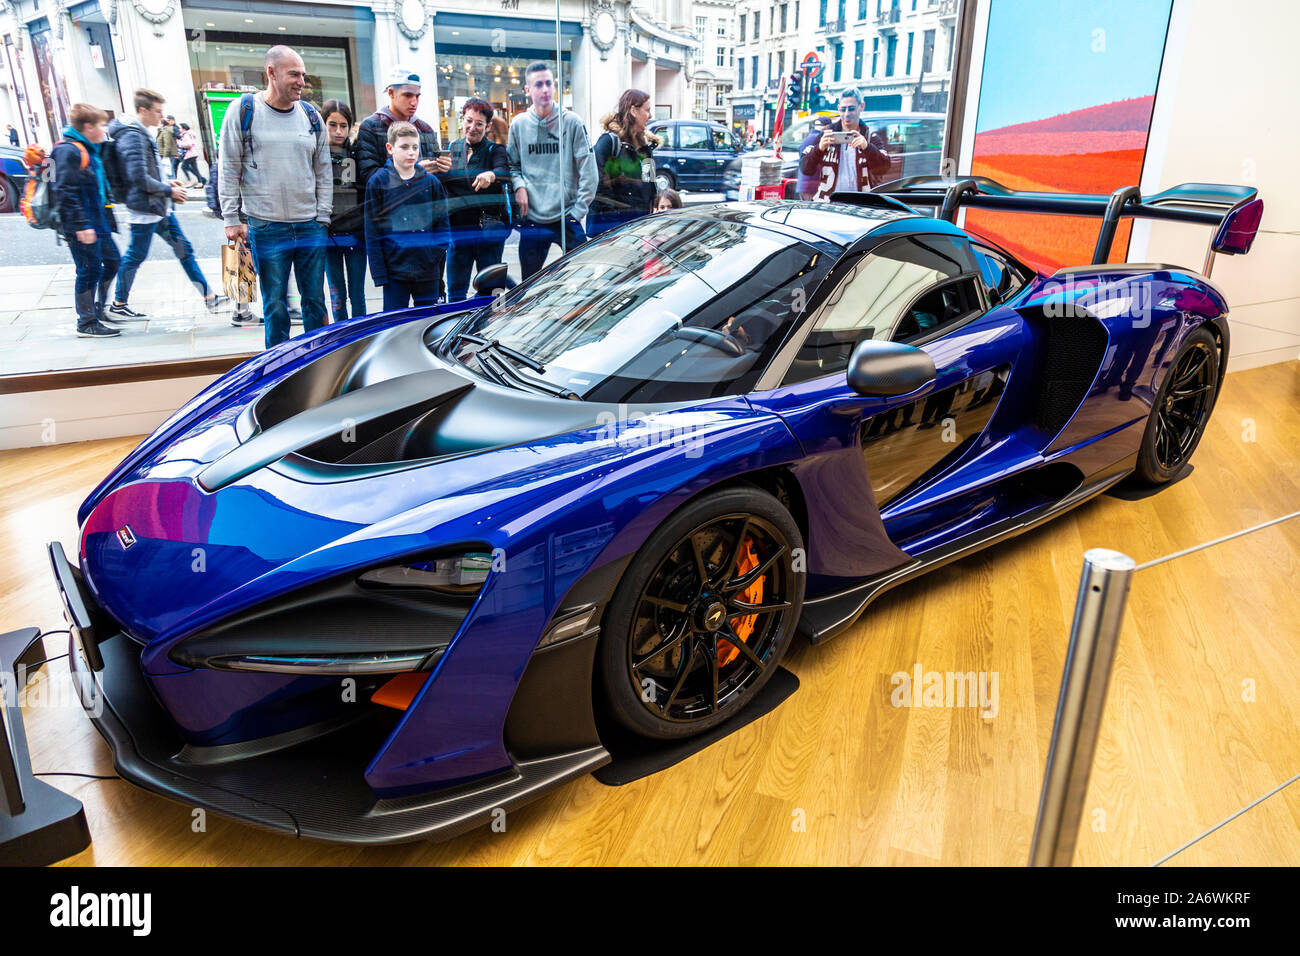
(1098, 613)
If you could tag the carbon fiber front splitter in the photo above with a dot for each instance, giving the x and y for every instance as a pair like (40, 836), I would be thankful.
(314, 788)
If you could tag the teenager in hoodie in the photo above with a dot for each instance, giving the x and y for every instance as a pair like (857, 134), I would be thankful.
(85, 216)
(626, 189)
(150, 202)
(553, 172)
(407, 235)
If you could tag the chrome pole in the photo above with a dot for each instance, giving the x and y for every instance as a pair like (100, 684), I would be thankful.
(559, 104)
(1098, 614)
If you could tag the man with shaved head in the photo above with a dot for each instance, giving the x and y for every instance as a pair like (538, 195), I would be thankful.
(277, 190)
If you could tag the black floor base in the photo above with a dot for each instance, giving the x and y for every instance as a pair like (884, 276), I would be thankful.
(39, 824)
(635, 757)
(1132, 490)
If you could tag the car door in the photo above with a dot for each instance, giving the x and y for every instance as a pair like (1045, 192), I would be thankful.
(907, 462)
(724, 151)
(694, 163)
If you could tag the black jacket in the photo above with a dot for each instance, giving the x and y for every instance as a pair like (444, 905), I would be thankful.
(147, 191)
(407, 235)
(627, 176)
(76, 194)
(347, 218)
(372, 143)
(465, 207)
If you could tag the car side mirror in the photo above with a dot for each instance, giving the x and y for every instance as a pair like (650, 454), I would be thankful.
(880, 369)
(491, 279)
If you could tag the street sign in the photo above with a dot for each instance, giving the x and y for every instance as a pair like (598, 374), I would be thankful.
(812, 64)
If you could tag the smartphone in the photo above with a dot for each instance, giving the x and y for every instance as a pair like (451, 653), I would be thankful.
(843, 136)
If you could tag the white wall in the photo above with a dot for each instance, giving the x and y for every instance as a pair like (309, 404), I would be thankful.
(1226, 112)
(100, 411)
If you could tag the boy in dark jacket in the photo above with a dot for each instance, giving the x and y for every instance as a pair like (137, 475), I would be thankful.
(85, 216)
(149, 204)
(407, 234)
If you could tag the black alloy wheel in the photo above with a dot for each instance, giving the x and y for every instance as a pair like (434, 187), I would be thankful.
(701, 624)
(1181, 409)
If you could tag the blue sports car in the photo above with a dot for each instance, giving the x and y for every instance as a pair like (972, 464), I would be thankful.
(392, 575)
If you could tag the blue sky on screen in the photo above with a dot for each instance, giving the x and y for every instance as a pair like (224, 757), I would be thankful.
(1039, 58)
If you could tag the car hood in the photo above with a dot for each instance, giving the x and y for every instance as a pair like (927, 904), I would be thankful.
(371, 451)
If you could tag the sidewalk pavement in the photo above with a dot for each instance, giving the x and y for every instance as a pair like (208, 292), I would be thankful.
(38, 323)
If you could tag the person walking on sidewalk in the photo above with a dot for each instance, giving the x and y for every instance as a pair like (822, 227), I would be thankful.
(85, 216)
(276, 172)
(345, 254)
(552, 170)
(149, 203)
(188, 144)
(13, 134)
(167, 145)
(407, 234)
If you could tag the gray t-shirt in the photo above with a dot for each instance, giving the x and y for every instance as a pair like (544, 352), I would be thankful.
(287, 176)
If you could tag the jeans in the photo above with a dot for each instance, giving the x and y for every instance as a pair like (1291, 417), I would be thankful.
(399, 294)
(471, 258)
(176, 163)
(138, 251)
(345, 268)
(190, 167)
(277, 246)
(536, 239)
(96, 264)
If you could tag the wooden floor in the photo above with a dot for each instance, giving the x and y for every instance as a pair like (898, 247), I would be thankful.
(1202, 716)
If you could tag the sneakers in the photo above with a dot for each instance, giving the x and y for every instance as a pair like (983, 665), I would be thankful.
(125, 311)
(215, 302)
(245, 318)
(96, 330)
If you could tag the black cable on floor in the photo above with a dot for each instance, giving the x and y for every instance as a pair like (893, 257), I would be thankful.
(41, 663)
(88, 776)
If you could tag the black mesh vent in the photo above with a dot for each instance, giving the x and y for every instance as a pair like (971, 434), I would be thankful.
(1076, 344)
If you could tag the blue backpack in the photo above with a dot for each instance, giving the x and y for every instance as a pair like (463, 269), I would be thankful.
(246, 121)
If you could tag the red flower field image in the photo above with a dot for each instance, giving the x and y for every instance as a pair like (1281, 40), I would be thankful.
(1093, 150)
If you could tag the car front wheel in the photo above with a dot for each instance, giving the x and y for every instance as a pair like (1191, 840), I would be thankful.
(664, 180)
(703, 615)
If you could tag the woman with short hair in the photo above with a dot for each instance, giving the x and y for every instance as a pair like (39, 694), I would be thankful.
(476, 199)
(625, 164)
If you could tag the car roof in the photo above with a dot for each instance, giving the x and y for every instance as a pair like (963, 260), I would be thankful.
(836, 223)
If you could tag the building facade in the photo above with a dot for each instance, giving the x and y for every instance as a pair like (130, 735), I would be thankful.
(898, 53)
(200, 54)
(772, 39)
(715, 70)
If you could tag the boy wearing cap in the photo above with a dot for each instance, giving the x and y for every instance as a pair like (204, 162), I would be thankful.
(372, 138)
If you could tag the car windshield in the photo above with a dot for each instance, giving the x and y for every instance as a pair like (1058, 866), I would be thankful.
(665, 309)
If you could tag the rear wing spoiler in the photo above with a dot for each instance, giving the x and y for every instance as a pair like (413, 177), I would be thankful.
(1233, 211)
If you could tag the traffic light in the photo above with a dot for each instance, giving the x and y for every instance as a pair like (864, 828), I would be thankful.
(815, 94)
(794, 96)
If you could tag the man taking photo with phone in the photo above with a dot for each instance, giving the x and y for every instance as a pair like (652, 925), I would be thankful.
(848, 157)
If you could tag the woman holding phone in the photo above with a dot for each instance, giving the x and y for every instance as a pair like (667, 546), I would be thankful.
(476, 199)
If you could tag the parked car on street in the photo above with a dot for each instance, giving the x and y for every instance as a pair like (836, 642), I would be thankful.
(694, 155)
(13, 178)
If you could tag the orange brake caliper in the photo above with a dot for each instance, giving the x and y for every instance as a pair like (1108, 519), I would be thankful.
(753, 594)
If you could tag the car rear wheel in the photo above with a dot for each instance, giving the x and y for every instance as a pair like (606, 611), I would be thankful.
(8, 194)
(703, 616)
(1181, 410)
(664, 179)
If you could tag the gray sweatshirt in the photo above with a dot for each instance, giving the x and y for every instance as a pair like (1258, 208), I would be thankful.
(560, 176)
(286, 178)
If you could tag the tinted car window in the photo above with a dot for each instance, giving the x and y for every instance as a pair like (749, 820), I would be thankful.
(722, 140)
(903, 290)
(693, 137)
(663, 309)
(1001, 279)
